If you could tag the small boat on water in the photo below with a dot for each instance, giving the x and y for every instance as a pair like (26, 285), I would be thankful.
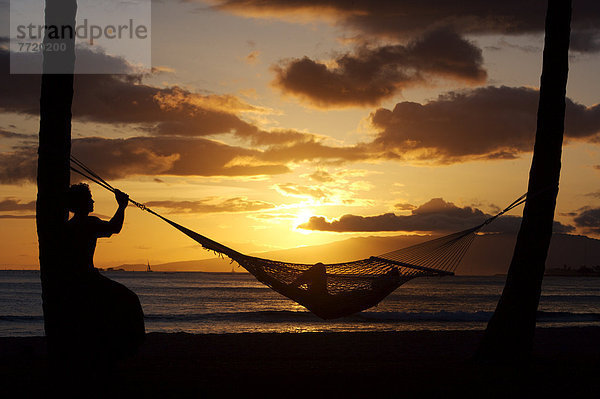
(148, 269)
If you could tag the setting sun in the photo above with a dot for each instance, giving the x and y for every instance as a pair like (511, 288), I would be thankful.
(303, 217)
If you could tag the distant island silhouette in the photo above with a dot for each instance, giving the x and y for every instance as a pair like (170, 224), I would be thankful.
(568, 253)
(583, 271)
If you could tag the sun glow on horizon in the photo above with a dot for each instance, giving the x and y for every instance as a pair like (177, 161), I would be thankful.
(303, 216)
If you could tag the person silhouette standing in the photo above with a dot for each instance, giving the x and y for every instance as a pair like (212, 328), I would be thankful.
(104, 319)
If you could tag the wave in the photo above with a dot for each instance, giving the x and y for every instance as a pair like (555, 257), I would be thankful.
(257, 316)
(441, 316)
(283, 316)
(570, 298)
(566, 317)
(22, 319)
(366, 317)
(180, 290)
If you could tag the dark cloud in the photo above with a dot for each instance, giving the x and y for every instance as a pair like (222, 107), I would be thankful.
(88, 61)
(374, 74)
(19, 136)
(169, 111)
(12, 204)
(172, 117)
(404, 207)
(407, 18)
(589, 220)
(595, 194)
(18, 165)
(119, 158)
(585, 40)
(212, 205)
(436, 215)
(484, 123)
(490, 123)
(17, 216)
(180, 156)
(16, 205)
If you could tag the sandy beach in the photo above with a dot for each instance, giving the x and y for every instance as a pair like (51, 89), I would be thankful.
(413, 364)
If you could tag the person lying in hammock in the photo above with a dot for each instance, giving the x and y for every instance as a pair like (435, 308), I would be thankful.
(326, 305)
(103, 319)
(315, 278)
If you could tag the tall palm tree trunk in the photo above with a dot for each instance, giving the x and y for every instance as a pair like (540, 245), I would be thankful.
(510, 332)
(53, 161)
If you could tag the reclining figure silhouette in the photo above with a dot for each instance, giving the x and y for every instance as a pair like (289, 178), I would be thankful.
(310, 289)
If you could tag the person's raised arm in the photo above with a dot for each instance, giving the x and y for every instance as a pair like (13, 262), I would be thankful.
(116, 223)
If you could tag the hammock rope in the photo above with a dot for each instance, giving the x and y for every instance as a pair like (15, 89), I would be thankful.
(338, 289)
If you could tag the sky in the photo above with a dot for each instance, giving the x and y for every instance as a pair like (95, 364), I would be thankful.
(273, 124)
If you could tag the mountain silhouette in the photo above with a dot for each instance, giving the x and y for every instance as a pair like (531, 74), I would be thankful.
(488, 255)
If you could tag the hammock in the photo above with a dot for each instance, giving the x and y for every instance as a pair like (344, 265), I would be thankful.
(339, 289)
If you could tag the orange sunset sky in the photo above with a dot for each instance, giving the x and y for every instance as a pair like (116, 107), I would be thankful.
(264, 122)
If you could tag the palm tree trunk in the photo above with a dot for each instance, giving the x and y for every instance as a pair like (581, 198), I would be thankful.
(510, 332)
(53, 161)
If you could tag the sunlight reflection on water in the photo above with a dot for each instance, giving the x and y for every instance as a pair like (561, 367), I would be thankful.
(237, 303)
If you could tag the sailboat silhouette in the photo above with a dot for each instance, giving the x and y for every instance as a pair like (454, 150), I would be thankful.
(148, 269)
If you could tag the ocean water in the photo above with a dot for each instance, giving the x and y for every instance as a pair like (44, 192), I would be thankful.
(237, 303)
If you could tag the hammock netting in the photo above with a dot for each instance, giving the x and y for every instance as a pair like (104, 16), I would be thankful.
(350, 286)
(340, 289)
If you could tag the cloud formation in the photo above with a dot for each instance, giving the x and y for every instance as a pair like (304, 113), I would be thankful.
(483, 123)
(589, 220)
(17, 216)
(435, 215)
(176, 123)
(5, 134)
(160, 111)
(404, 207)
(120, 158)
(88, 61)
(212, 205)
(302, 191)
(179, 156)
(318, 151)
(18, 165)
(374, 74)
(322, 176)
(407, 18)
(16, 205)
(13, 204)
